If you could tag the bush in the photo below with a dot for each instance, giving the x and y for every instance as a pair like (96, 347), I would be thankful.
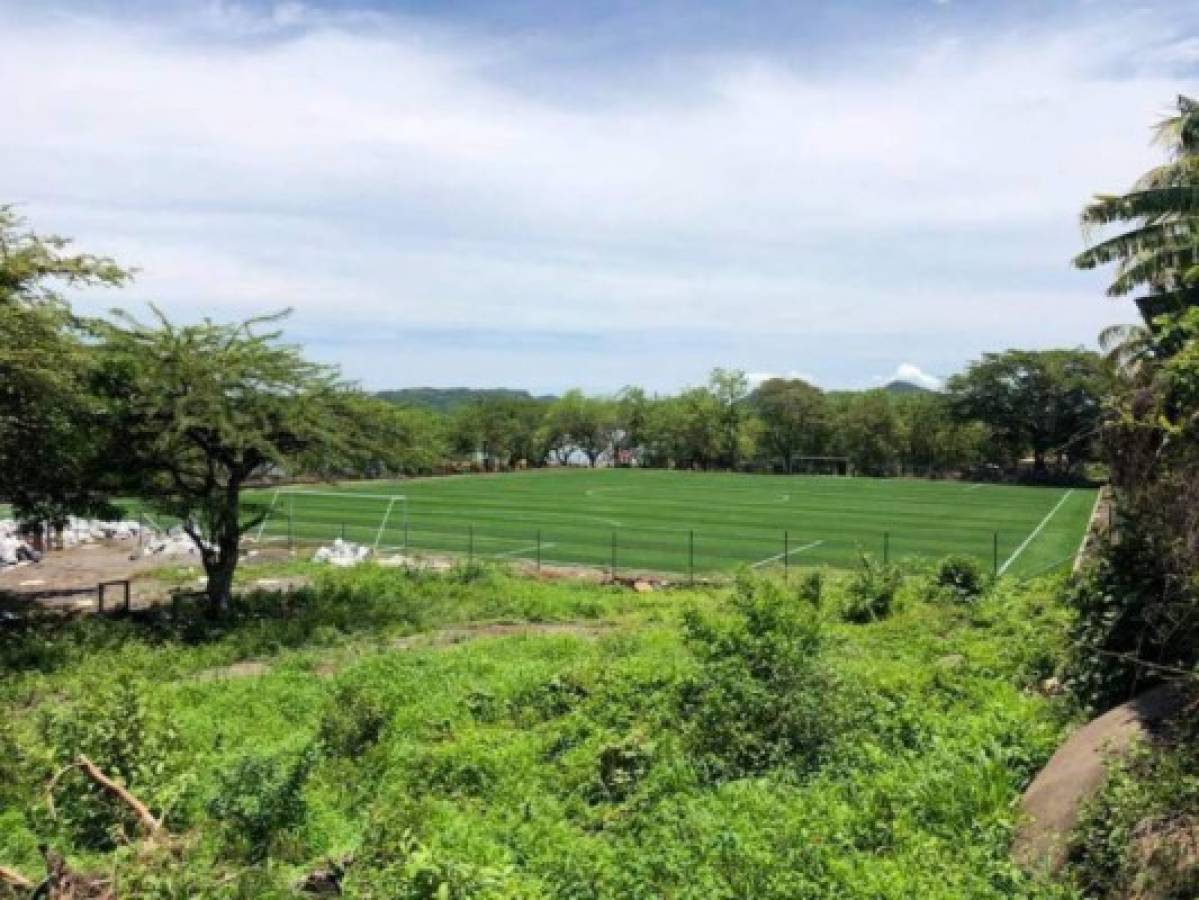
(763, 696)
(871, 590)
(119, 734)
(259, 796)
(962, 577)
(354, 720)
(811, 588)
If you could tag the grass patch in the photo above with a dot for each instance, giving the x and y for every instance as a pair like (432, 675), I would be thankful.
(872, 759)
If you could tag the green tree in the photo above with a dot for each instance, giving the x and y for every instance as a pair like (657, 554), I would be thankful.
(794, 418)
(730, 390)
(49, 426)
(1160, 254)
(1039, 401)
(870, 433)
(584, 423)
(504, 428)
(198, 412)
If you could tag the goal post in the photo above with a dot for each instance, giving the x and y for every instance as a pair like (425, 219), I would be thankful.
(821, 465)
(307, 517)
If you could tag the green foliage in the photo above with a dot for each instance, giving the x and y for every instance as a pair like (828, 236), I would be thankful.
(961, 577)
(811, 588)
(1137, 837)
(842, 760)
(354, 719)
(762, 696)
(129, 743)
(870, 593)
(50, 428)
(259, 796)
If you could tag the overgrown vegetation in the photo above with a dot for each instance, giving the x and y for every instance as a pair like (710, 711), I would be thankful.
(694, 743)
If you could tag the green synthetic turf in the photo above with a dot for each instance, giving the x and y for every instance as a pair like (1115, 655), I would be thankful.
(656, 517)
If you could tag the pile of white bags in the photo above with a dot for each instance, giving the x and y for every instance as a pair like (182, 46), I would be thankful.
(342, 553)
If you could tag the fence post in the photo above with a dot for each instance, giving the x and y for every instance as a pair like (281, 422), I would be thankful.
(291, 505)
(995, 554)
(786, 556)
(538, 551)
(405, 535)
(470, 544)
(343, 531)
(691, 556)
(886, 547)
(612, 569)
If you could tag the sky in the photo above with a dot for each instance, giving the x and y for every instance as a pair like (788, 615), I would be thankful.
(544, 194)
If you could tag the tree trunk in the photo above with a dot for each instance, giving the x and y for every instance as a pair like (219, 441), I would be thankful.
(221, 557)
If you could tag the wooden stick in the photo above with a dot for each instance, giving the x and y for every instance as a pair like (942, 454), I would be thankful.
(144, 816)
(13, 878)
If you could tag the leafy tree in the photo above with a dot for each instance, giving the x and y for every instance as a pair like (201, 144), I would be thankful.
(198, 412)
(1160, 255)
(584, 423)
(505, 428)
(632, 418)
(48, 425)
(730, 389)
(870, 433)
(1043, 401)
(794, 418)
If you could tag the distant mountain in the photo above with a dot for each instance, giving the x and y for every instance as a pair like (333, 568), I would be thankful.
(905, 387)
(449, 399)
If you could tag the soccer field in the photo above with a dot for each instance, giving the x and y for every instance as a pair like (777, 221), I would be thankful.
(679, 522)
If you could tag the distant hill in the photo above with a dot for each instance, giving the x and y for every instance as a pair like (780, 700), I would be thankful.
(448, 399)
(905, 387)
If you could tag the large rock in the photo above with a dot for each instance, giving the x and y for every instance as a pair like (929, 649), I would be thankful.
(1077, 770)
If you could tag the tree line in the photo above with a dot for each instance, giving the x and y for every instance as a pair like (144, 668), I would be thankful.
(1019, 412)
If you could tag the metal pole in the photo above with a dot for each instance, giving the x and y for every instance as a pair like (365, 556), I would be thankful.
(612, 570)
(405, 534)
(886, 547)
(470, 543)
(291, 506)
(786, 556)
(995, 554)
(691, 555)
(538, 551)
(343, 531)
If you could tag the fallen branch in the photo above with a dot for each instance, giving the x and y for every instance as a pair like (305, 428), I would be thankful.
(146, 818)
(13, 878)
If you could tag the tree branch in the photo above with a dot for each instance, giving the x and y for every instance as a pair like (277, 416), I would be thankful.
(146, 818)
(15, 879)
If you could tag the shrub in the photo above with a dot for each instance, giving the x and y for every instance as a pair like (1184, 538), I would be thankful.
(962, 577)
(811, 588)
(257, 797)
(128, 743)
(622, 766)
(354, 720)
(763, 696)
(870, 593)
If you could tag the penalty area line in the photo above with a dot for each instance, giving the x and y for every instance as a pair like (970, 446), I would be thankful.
(1032, 536)
(771, 559)
(544, 546)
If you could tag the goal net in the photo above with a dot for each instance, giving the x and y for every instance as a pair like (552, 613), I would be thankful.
(379, 521)
(821, 465)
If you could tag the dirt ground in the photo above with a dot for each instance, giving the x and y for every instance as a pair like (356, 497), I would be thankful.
(68, 580)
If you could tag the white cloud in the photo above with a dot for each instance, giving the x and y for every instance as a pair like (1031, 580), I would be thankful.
(381, 176)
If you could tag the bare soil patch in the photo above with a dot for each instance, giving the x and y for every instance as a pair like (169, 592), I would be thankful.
(66, 580)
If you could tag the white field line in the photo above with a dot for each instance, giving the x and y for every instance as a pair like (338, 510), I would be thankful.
(1028, 540)
(544, 546)
(975, 487)
(771, 559)
(1082, 545)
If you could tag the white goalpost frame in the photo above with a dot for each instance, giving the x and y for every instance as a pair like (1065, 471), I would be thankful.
(341, 495)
